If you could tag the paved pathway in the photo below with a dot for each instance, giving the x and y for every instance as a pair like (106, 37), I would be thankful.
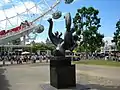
(102, 71)
(35, 76)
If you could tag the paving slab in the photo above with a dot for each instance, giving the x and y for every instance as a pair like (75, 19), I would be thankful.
(36, 77)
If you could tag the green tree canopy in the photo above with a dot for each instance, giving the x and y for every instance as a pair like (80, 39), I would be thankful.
(87, 23)
(42, 46)
(116, 38)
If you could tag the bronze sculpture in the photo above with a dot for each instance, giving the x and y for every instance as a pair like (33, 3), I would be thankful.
(69, 41)
(62, 72)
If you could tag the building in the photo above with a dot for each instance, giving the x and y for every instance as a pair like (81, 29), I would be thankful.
(108, 47)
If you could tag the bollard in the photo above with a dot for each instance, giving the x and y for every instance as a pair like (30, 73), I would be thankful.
(3, 62)
(11, 61)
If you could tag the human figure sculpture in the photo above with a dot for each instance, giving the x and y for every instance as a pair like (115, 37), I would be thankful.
(69, 41)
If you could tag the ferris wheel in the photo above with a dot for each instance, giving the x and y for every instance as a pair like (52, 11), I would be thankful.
(14, 13)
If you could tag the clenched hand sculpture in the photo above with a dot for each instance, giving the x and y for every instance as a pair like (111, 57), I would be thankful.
(69, 41)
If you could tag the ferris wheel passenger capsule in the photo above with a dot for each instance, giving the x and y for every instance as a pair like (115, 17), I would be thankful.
(39, 28)
(57, 15)
(68, 1)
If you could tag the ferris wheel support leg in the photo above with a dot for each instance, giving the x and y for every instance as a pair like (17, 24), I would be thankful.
(24, 37)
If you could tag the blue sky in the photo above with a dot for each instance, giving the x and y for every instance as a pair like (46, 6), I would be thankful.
(108, 12)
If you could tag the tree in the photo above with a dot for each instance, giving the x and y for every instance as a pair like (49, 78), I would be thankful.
(116, 37)
(79, 49)
(86, 24)
(42, 46)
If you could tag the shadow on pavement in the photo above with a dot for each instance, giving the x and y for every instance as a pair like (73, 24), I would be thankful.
(82, 87)
(4, 84)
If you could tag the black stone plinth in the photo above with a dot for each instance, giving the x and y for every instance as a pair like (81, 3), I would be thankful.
(60, 61)
(62, 73)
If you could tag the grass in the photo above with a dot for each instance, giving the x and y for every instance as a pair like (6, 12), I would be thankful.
(98, 62)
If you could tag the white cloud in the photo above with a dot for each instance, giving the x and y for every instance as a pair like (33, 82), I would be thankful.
(6, 1)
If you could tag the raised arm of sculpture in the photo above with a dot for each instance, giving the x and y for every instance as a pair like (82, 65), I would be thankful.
(55, 40)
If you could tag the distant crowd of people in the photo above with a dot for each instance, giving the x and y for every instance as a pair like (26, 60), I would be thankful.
(19, 59)
(99, 56)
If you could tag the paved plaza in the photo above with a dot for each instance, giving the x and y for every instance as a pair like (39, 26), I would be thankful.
(36, 77)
